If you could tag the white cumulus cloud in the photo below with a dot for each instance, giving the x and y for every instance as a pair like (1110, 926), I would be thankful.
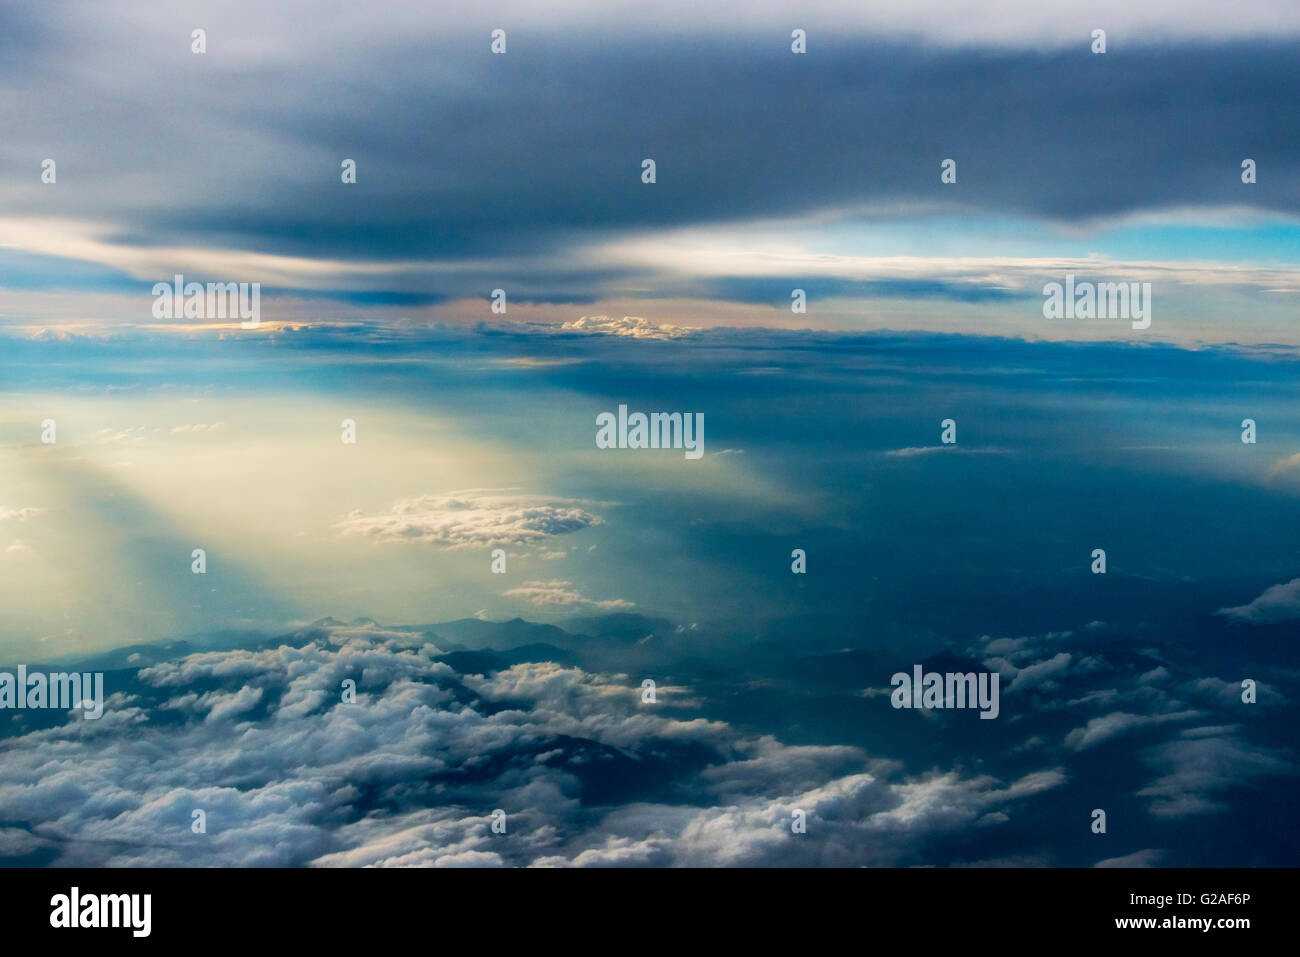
(473, 518)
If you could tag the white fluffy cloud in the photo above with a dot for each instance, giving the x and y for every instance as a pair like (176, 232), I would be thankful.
(631, 326)
(8, 514)
(289, 774)
(473, 518)
(1278, 603)
(1042, 671)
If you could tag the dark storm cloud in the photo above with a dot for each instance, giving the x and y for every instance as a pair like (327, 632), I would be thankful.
(462, 154)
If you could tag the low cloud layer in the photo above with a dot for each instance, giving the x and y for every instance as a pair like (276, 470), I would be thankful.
(288, 774)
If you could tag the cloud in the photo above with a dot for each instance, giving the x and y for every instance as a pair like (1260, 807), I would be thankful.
(633, 326)
(130, 434)
(1284, 465)
(1018, 649)
(1201, 764)
(1148, 857)
(1278, 603)
(1041, 672)
(217, 705)
(862, 819)
(1109, 726)
(561, 593)
(19, 514)
(410, 773)
(473, 518)
(1228, 693)
(581, 228)
(914, 450)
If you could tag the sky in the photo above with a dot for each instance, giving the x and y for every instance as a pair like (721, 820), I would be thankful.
(128, 440)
